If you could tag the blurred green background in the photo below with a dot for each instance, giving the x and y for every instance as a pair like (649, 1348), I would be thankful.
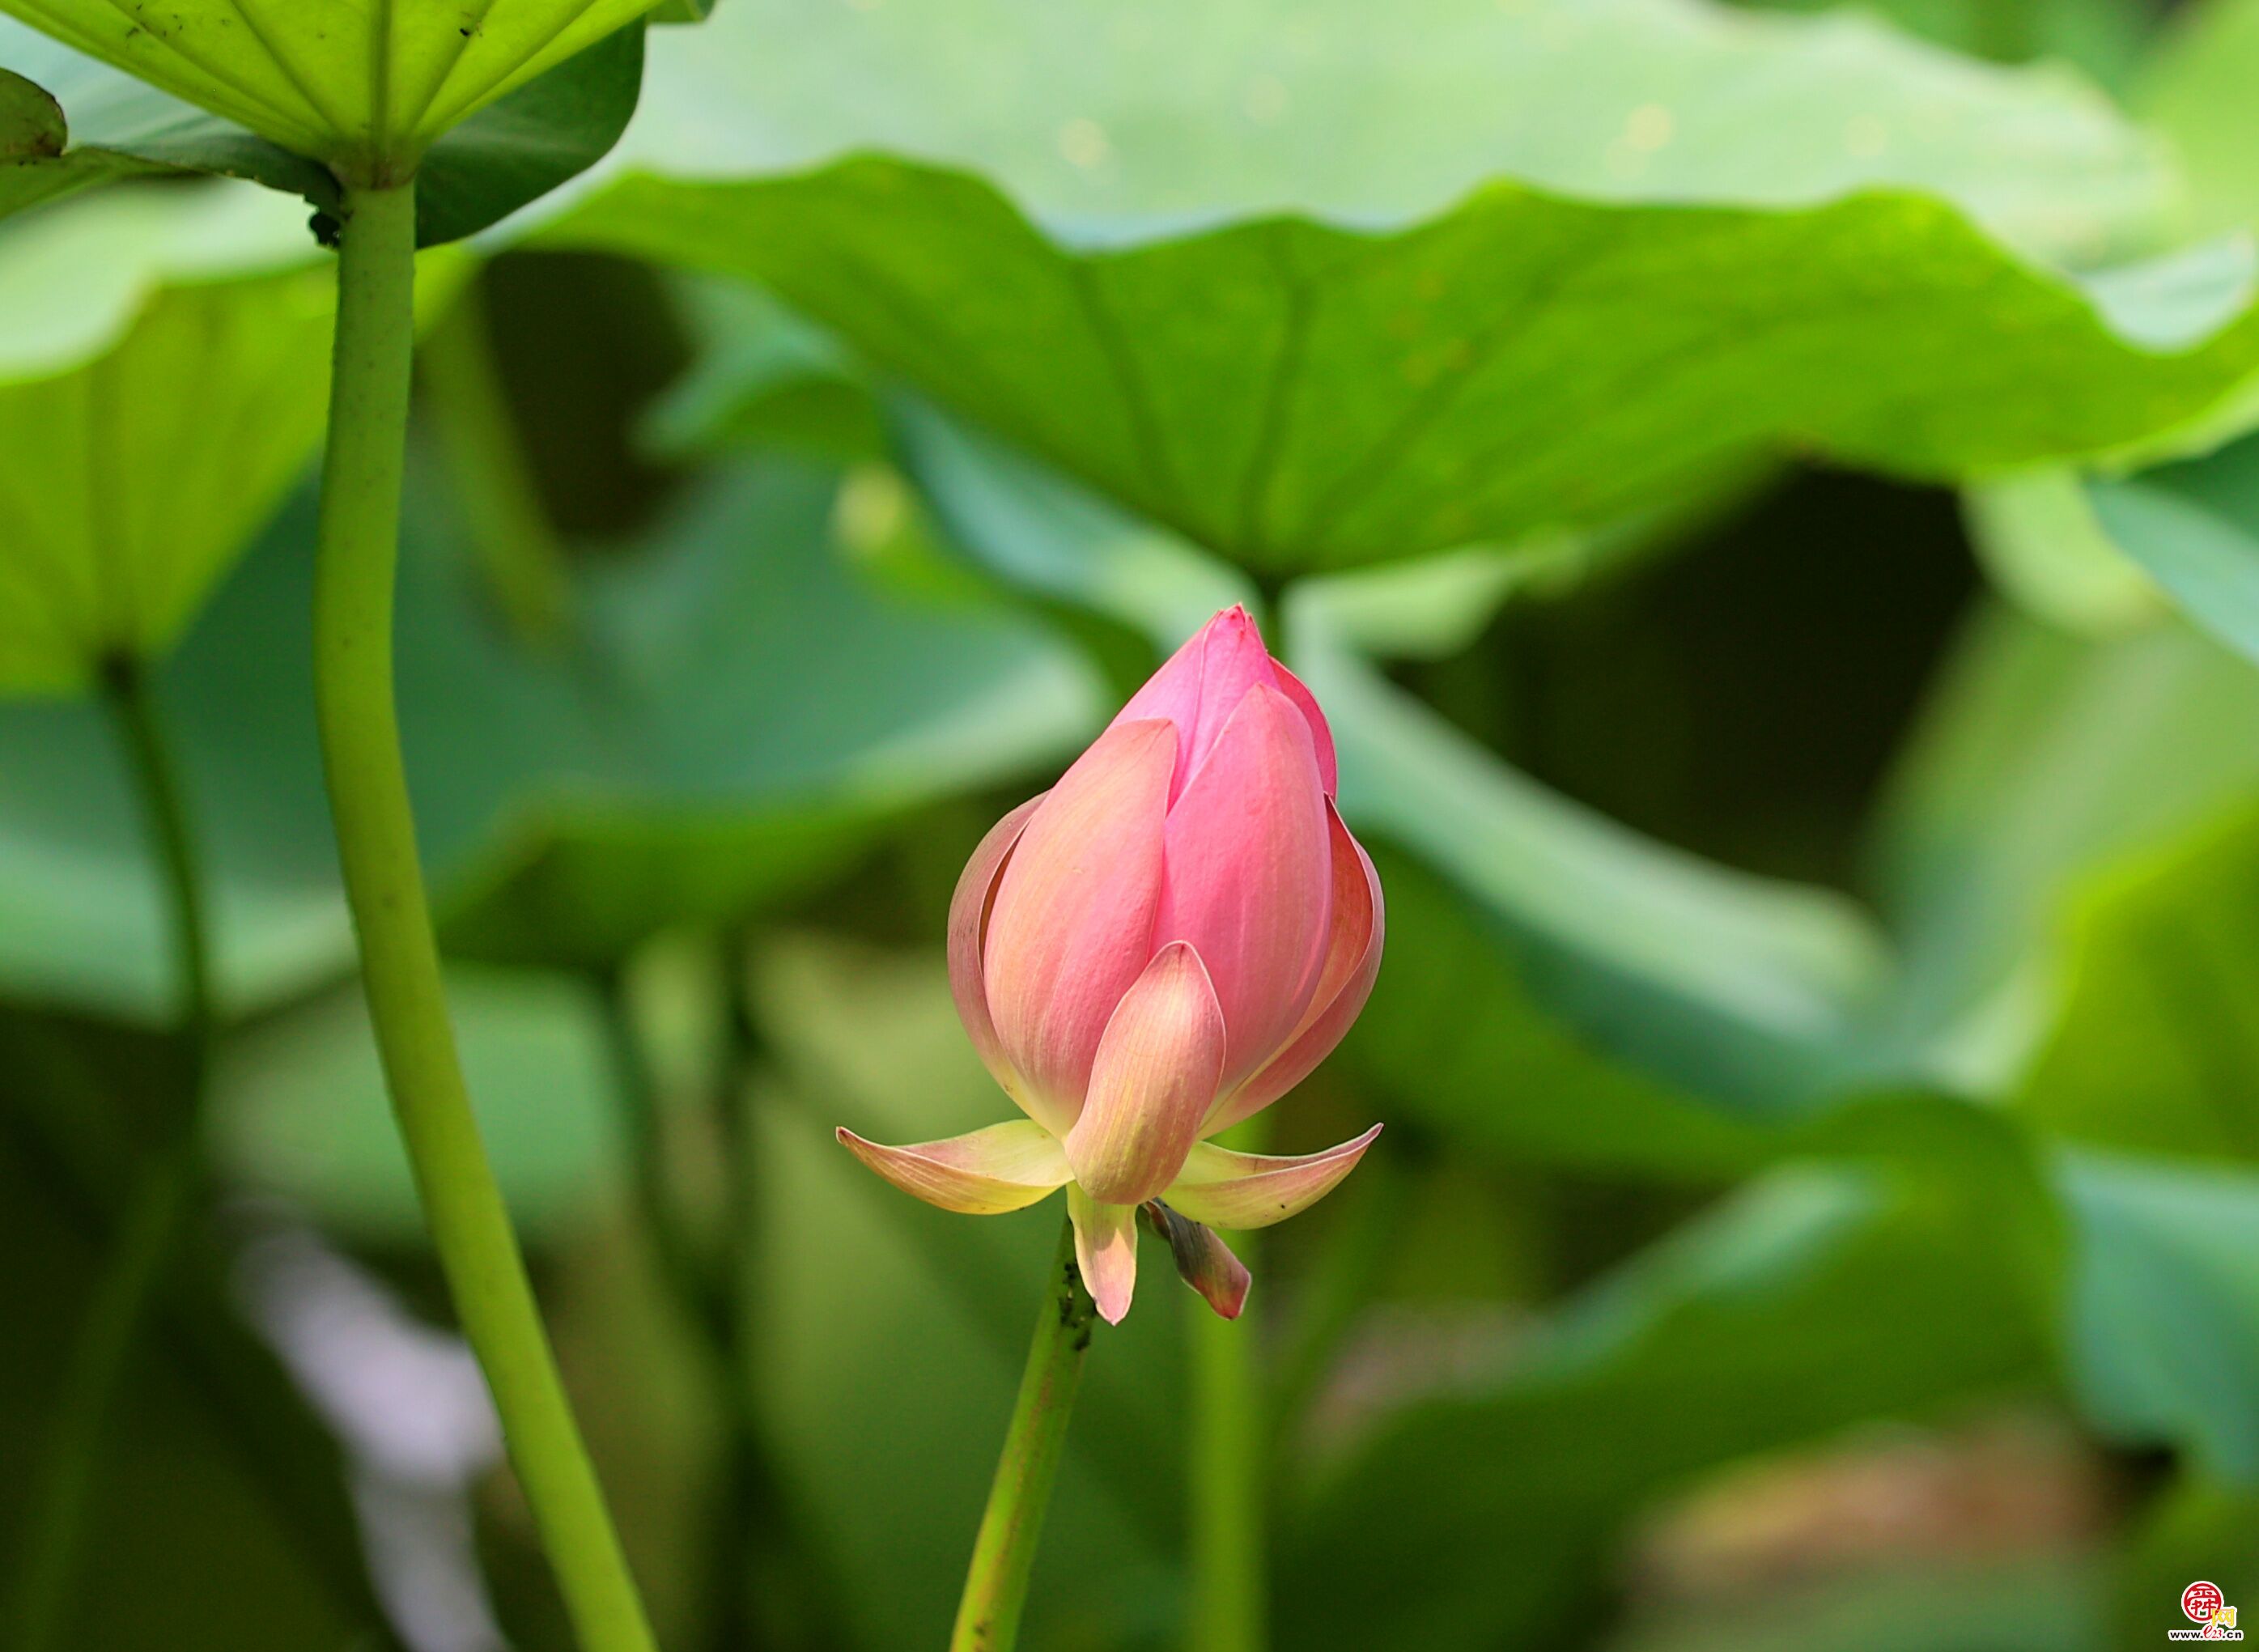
(1765, 501)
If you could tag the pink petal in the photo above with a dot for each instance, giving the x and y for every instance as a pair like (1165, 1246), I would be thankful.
(1105, 1250)
(1004, 1167)
(1203, 1261)
(1352, 961)
(1249, 877)
(1152, 1083)
(1250, 1190)
(968, 927)
(1200, 685)
(1071, 924)
(1321, 731)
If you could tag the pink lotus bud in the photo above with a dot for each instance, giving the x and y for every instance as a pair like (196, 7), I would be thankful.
(1164, 944)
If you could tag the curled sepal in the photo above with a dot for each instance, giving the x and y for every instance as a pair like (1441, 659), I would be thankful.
(1203, 1260)
(1105, 1250)
(1005, 1167)
(1253, 1190)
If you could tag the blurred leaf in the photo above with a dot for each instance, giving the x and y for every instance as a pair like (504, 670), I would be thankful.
(75, 278)
(1401, 373)
(2156, 1045)
(1453, 1041)
(743, 712)
(1732, 985)
(139, 474)
(366, 101)
(2039, 758)
(2102, 37)
(2195, 527)
(2196, 88)
(1046, 535)
(2036, 533)
(1981, 1604)
(2165, 1307)
(1812, 1299)
(765, 377)
(212, 1564)
(2196, 1528)
(766, 711)
(299, 1106)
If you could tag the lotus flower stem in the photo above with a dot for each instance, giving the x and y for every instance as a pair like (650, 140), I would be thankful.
(118, 1310)
(400, 956)
(1229, 1436)
(1004, 1551)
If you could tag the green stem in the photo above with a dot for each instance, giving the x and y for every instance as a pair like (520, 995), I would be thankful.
(95, 1370)
(1004, 1549)
(494, 485)
(400, 958)
(1229, 1439)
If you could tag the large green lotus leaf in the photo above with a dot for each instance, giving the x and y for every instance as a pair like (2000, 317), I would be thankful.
(1263, 281)
(364, 86)
(2156, 1046)
(132, 480)
(511, 152)
(742, 708)
(117, 127)
(2040, 760)
(1814, 1299)
(2162, 1250)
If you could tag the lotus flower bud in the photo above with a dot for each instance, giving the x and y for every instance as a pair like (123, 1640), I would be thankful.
(1161, 945)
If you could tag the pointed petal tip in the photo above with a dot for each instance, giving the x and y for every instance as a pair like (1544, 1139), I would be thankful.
(1002, 1168)
(1245, 1191)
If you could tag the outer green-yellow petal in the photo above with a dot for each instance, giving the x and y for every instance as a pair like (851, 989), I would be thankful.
(1250, 1190)
(1004, 1167)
